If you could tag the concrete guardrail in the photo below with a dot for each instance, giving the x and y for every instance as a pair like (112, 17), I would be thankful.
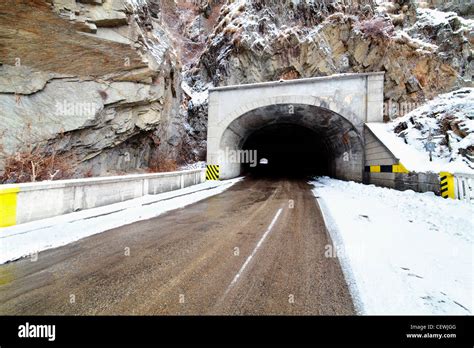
(21, 203)
(464, 187)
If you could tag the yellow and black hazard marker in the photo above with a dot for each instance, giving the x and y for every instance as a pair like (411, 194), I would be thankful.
(446, 185)
(212, 172)
(392, 168)
(8, 200)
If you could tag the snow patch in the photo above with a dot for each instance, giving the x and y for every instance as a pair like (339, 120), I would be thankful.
(196, 165)
(197, 98)
(431, 18)
(451, 150)
(403, 253)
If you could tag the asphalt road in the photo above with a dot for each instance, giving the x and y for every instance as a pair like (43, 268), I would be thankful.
(249, 250)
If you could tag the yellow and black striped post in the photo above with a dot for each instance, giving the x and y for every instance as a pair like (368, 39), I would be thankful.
(212, 172)
(392, 168)
(446, 185)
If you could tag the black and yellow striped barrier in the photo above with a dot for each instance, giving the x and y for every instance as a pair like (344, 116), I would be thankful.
(212, 172)
(8, 202)
(446, 185)
(392, 168)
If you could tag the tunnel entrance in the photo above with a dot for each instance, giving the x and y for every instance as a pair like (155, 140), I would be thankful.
(287, 150)
(334, 107)
(294, 139)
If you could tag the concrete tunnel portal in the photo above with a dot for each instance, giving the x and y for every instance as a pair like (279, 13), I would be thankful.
(295, 140)
(302, 127)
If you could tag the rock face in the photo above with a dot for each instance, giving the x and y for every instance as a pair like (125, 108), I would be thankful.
(101, 83)
(422, 53)
(463, 8)
(447, 122)
(96, 81)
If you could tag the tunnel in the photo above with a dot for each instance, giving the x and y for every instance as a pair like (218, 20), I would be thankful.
(288, 150)
(292, 140)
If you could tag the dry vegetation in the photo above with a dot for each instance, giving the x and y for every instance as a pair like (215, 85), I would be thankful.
(377, 28)
(35, 165)
(178, 17)
(290, 74)
(162, 165)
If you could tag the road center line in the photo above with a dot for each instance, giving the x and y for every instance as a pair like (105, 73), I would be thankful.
(275, 218)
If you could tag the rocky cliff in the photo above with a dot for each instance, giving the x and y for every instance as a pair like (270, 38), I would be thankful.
(111, 86)
(94, 84)
(423, 52)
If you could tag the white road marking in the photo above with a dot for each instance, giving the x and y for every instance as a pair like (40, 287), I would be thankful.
(275, 218)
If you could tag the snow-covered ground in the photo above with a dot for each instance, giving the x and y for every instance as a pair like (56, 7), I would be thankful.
(25, 239)
(434, 119)
(402, 252)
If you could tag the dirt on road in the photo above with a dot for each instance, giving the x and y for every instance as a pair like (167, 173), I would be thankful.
(258, 248)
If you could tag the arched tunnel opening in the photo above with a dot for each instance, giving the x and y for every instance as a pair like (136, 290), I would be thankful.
(290, 140)
(287, 150)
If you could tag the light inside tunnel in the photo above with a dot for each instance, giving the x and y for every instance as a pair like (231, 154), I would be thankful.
(288, 150)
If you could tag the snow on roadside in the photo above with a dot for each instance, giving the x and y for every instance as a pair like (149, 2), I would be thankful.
(437, 119)
(22, 240)
(196, 165)
(403, 253)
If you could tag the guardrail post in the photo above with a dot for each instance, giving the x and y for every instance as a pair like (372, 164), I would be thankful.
(212, 172)
(446, 183)
(464, 187)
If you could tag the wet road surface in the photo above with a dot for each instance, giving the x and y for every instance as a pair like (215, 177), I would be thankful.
(257, 248)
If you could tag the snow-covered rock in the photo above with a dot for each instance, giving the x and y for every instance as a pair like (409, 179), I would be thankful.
(256, 43)
(447, 122)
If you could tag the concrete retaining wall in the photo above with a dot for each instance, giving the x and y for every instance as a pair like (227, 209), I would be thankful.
(377, 154)
(418, 182)
(35, 201)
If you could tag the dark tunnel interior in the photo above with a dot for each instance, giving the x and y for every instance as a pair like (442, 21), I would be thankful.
(287, 150)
